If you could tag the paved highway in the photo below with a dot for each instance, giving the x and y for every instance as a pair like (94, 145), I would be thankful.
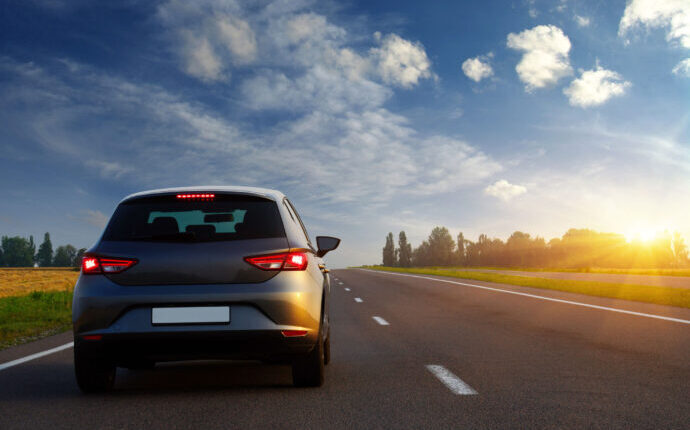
(412, 352)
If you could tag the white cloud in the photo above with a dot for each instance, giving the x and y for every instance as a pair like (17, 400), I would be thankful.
(401, 62)
(95, 218)
(238, 38)
(595, 87)
(504, 190)
(582, 21)
(477, 68)
(682, 68)
(671, 14)
(109, 169)
(199, 58)
(545, 59)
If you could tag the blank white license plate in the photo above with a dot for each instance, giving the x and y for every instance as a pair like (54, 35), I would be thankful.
(191, 315)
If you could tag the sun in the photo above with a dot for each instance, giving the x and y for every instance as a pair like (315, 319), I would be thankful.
(642, 234)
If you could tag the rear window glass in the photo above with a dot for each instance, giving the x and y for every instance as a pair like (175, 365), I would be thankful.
(165, 218)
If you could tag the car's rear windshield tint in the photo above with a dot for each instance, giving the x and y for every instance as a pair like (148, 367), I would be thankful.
(168, 219)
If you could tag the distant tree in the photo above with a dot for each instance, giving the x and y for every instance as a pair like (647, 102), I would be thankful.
(460, 250)
(389, 251)
(32, 247)
(680, 249)
(17, 252)
(421, 256)
(64, 256)
(441, 247)
(77, 258)
(44, 257)
(2, 258)
(404, 250)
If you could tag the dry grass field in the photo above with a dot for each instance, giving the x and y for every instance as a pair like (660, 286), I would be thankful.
(22, 281)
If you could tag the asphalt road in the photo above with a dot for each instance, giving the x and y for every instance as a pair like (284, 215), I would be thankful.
(530, 362)
(654, 280)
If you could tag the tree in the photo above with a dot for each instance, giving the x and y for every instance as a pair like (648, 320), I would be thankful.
(17, 252)
(44, 258)
(441, 247)
(64, 256)
(460, 250)
(680, 250)
(77, 258)
(32, 248)
(389, 251)
(404, 250)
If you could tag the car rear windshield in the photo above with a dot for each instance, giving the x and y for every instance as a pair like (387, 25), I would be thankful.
(169, 219)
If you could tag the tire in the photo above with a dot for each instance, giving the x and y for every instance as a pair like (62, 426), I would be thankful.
(327, 349)
(307, 371)
(93, 375)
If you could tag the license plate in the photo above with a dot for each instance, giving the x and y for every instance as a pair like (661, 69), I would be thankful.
(191, 315)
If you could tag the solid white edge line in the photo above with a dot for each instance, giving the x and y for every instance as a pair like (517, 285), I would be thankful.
(380, 320)
(358, 300)
(12, 363)
(454, 384)
(534, 296)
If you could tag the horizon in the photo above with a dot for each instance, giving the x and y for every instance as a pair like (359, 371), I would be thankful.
(372, 118)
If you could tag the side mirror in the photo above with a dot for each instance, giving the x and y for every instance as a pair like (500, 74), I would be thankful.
(325, 244)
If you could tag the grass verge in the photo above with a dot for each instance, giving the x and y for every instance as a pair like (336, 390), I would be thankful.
(34, 315)
(640, 293)
(611, 271)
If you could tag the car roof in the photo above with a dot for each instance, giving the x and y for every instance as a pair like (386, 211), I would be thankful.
(262, 192)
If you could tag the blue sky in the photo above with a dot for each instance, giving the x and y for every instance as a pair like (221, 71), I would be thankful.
(485, 117)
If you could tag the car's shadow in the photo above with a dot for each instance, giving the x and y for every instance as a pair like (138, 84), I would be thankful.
(203, 376)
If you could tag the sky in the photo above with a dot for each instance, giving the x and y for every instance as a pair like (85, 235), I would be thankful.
(481, 116)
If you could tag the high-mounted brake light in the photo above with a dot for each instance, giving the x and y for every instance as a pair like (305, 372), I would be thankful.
(92, 265)
(282, 261)
(196, 196)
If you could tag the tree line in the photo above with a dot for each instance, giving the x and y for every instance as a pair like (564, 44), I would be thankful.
(577, 248)
(18, 251)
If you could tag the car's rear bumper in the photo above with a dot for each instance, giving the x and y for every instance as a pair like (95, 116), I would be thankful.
(119, 319)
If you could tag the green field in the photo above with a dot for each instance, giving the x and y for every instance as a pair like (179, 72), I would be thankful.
(640, 293)
(34, 315)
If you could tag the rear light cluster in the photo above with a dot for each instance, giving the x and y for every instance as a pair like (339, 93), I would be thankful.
(282, 261)
(92, 265)
(203, 196)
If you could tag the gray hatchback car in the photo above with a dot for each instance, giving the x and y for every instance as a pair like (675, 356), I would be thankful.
(202, 273)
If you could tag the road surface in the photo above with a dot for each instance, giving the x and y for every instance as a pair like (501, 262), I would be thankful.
(655, 280)
(412, 352)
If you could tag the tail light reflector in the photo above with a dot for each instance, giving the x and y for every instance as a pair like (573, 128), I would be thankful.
(282, 261)
(92, 337)
(92, 265)
(294, 333)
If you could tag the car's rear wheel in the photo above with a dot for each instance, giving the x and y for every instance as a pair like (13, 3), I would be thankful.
(94, 375)
(327, 349)
(307, 371)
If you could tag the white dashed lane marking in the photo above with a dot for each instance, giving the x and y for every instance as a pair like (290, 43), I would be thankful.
(380, 320)
(347, 289)
(358, 300)
(454, 384)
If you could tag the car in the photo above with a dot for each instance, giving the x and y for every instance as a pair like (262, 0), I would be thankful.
(195, 273)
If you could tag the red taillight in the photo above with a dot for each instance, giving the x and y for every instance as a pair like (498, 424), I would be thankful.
(92, 337)
(196, 196)
(92, 265)
(294, 333)
(282, 261)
